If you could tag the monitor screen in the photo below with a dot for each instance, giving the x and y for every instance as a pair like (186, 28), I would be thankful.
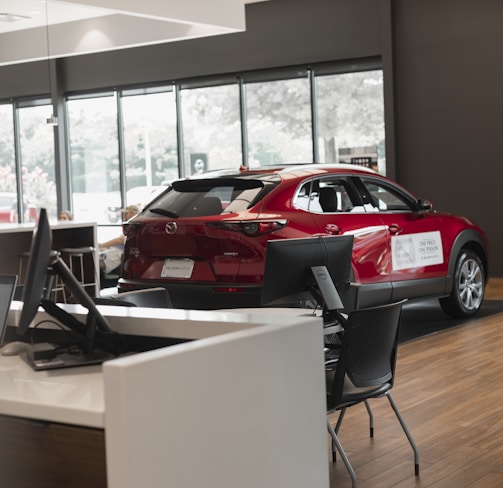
(7, 287)
(289, 266)
(36, 272)
(43, 265)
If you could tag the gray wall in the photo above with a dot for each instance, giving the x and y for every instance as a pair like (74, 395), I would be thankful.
(442, 69)
(278, 33)
(449, 106)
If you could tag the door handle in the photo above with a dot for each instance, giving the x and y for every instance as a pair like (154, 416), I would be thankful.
(395, 229)
(332, 229)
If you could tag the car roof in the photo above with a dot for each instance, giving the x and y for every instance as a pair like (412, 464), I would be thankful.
(296, 170)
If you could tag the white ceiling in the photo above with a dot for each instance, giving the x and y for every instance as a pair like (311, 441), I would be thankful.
(56, 28)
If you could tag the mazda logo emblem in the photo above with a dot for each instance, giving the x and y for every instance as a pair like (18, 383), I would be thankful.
(171, 227)
(322, 274)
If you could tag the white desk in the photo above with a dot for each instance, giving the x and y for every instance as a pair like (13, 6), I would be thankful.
(242, 405)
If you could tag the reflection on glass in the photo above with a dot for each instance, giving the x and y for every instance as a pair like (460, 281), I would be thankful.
(211, 128)
(150, 145)
(94, 159)
(7, 164)
(279, 122)
(351, 118)
(37, 163)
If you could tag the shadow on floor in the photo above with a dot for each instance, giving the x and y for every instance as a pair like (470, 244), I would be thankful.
(426, 317)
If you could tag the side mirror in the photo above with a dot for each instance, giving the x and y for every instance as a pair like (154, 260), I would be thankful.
(425, 205)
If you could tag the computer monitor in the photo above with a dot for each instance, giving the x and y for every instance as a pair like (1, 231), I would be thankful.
(43, 265)
(307, 268)
(7, 288)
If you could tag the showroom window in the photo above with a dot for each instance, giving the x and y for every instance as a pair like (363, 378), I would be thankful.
(150, 143)
(7, 154)
(94, 157)
(125, 144)
(350, 109)
(30, 170)
(278, 122)
(211, 126)
(36, 160)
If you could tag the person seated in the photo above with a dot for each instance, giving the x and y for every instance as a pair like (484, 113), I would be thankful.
(111, 251)
(65, 215)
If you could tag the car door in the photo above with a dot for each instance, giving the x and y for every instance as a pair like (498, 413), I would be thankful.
(416, 245)
(337, 208)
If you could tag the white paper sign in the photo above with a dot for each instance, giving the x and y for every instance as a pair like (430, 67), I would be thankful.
(177, 268)
(416, 250)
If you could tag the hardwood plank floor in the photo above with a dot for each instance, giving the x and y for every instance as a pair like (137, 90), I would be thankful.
(448, 389)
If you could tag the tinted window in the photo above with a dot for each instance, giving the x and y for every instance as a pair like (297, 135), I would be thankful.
(188, 198)
(384, 198)
(327, 195)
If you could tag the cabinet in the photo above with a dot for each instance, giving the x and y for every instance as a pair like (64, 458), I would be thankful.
(49, 455)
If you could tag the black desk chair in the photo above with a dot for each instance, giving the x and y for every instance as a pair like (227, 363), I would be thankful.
(365, 369)
(149, 297)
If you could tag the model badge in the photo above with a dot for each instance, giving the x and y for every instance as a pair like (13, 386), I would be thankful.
(171, 227)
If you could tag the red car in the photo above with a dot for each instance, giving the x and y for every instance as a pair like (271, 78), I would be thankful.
(204, 239)
(8, 208)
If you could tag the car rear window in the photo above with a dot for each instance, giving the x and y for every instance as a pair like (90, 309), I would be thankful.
(203, 197)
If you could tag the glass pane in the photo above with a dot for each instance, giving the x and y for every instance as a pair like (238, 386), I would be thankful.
(386, 199)
(37, 161)
(94, 158)
(211, 128)
(150, 144)
(351, 118)
(7, 164)
(279, 122)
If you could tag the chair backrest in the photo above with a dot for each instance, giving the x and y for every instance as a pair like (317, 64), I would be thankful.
(149, 297)
(328, 199)
(368, 351)
(111, 301)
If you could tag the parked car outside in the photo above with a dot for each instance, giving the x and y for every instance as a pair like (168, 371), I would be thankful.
(8, 208)
(204, 239)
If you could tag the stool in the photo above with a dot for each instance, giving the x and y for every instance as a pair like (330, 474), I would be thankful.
(57, 286)
(75, 260)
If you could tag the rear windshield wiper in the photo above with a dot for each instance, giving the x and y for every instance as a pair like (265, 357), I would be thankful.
(162, 211)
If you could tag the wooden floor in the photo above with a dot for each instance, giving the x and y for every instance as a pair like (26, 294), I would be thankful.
(449, 391)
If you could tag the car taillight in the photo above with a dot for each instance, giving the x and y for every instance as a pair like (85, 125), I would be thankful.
(251, 227)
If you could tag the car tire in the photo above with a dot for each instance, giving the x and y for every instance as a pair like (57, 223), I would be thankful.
(468, 287)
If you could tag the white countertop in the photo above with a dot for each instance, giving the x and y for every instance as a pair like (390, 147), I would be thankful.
(76, 395)
(251, 364)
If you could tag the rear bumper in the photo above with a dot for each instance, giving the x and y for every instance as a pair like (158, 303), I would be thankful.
(201, 297)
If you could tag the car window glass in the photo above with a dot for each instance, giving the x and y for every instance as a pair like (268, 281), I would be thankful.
(327, 196)
(334, 197)
(305, 196)
(207, 197)
(383, 198)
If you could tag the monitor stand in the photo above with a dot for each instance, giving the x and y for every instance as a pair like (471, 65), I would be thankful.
(67, 360)
(330, 298)
(86, 351)
(327, 289)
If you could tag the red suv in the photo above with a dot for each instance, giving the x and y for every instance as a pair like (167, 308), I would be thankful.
(204, 239)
